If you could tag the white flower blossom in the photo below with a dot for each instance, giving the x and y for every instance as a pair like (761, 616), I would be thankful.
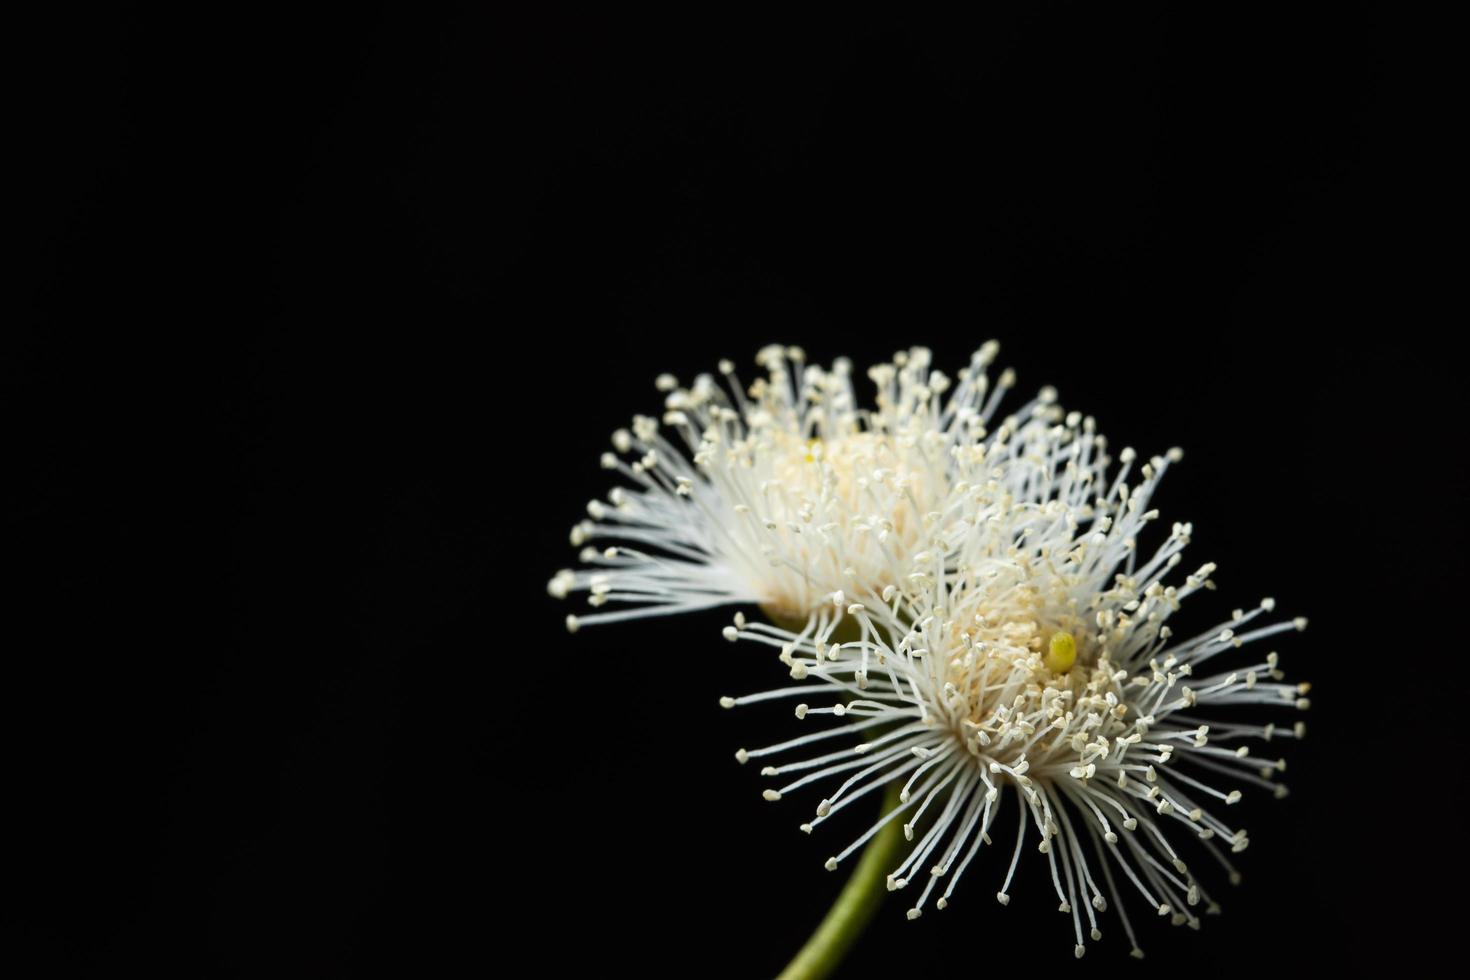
(1027, 653)
(782, 494)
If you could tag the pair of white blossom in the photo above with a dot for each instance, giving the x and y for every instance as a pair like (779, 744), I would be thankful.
(963, 597)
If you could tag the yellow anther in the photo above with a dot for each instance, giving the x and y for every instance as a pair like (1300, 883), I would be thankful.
(1061, 653)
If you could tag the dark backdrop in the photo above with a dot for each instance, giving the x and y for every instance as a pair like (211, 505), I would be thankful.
(329, 315)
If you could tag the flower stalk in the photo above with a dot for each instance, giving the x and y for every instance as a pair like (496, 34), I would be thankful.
(854, 906)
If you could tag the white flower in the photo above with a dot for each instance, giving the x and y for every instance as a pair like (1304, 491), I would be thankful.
(1029, 656)
(782, 495)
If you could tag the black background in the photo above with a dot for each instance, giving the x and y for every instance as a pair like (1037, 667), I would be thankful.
(327, 317)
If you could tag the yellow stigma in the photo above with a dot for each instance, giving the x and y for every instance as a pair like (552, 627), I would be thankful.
(811, 449)
(1061, 653)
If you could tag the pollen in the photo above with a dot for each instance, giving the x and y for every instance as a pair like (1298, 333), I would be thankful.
(1061, 652)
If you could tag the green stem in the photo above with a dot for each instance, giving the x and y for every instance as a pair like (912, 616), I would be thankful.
(855, 905)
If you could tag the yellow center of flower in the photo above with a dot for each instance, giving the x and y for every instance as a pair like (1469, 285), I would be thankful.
(1061, 652)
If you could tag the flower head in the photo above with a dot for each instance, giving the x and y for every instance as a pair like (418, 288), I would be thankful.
(781, 494)
(1028, 653)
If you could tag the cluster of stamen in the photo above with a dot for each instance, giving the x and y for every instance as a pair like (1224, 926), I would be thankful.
(1027, 651)
(966, 599)
(777, 494)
